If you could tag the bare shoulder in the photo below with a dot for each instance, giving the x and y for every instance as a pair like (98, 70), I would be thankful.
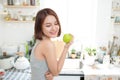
(43, 49)
(47, 44)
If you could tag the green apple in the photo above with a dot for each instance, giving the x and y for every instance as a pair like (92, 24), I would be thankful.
(67, 38)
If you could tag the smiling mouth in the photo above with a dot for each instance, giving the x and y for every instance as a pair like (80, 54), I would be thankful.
(53, 33)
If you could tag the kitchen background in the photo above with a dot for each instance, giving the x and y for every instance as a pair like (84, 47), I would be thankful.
(89, 21)
(92, 22)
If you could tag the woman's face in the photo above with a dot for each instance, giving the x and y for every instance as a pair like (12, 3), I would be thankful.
(50, 27)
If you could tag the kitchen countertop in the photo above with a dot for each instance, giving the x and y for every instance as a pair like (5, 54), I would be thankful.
(71, 72)
(15, 74)
(101, 69)
(101, 72)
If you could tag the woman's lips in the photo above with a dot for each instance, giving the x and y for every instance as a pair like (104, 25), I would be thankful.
(53, 33)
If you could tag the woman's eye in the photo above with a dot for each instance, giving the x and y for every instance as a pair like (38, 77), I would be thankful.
(47, 25)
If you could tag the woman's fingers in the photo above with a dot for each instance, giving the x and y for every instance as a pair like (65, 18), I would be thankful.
(49, 76)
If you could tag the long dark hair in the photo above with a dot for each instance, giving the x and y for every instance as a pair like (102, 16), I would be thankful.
(40, 17)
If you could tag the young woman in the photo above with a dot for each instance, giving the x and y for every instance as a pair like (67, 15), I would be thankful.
(44, 64)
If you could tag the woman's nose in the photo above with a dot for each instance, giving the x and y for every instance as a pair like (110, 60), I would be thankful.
(53, 27)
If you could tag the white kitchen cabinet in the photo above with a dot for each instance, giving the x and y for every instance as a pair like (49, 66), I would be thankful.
(70, 74)
(67, 78)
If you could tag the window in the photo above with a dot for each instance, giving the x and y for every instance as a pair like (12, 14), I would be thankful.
(77, 17)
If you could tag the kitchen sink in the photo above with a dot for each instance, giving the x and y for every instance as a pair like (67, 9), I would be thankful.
(72, 64)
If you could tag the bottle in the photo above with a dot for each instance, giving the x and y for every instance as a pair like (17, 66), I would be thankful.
(106, 60)
(32, 2)
(8, 17)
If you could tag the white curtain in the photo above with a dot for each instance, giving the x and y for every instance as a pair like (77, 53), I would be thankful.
(82, 16)
(77, 17)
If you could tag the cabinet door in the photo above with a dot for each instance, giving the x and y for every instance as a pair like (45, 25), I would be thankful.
(67, 78)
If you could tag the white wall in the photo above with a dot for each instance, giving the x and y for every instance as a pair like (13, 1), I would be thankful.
(61, 8)
(79, 18)
(104, 29)
(89, 20)
(82, 21)
(16, 31)
(21, 32)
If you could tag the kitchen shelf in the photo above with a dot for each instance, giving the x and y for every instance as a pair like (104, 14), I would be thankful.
(20, 6)
(20, 13)
(1, 12)
(116, 9)
(19, 21)
(117, 23)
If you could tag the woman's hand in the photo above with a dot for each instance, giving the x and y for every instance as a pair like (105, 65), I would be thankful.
(70, 43)
(49, 76)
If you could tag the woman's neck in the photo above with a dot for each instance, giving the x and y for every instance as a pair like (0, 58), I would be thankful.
(46, 38)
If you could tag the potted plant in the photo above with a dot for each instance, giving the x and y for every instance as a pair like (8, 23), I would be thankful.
(90, 57)
(91, 51)
(73, 53)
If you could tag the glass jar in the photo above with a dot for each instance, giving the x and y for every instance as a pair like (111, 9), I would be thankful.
(10, 2)
(16, 2)
(32, 2)
(8, 17)
(25, 2)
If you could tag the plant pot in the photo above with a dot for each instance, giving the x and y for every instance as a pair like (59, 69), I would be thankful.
(73, 56)
(89, 60)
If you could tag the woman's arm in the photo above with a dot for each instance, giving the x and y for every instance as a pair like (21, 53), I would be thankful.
(50, 55)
